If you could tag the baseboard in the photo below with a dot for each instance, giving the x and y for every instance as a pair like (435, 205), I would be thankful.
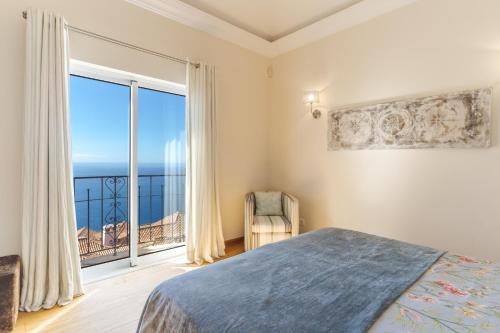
(234, 241)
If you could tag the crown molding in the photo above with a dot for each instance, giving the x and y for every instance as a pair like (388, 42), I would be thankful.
(351, 16)
(193, 17)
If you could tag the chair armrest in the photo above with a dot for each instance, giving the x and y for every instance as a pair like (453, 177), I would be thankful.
(249, 213)
(291, 211)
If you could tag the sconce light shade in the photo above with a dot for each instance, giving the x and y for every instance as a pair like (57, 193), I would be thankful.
(311, 97)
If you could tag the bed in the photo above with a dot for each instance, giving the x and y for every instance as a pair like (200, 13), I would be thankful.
(331, 280)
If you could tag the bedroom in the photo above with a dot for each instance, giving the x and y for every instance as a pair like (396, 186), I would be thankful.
(347, 53)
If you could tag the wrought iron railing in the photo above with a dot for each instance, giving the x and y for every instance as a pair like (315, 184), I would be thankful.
(102, 215)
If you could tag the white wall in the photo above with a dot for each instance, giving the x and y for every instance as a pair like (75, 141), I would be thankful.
(449, 199)
(242, 100)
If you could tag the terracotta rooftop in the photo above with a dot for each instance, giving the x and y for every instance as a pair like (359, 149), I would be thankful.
(168, 230)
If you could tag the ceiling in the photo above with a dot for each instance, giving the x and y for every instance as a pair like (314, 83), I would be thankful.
(271, 27)
(271, 19)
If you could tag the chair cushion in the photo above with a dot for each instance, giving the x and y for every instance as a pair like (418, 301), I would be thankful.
(271, 224)
(268, 203)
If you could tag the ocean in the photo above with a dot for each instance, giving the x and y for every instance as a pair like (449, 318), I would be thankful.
(101, 193)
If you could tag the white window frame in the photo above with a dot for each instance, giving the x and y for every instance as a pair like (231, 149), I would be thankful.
(85, 69)
(134, 81)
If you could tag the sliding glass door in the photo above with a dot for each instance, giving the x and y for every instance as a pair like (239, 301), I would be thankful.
(161, 155)
(100, 134)
(129, 164)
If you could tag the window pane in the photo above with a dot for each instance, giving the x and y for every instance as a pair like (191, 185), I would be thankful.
(161, 149)
(100, 135)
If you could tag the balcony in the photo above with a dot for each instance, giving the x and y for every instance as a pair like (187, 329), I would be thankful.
(102, 216)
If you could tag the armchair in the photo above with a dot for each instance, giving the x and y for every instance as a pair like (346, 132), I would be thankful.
(261, 230)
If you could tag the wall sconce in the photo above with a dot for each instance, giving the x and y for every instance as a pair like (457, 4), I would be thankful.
(312, 98)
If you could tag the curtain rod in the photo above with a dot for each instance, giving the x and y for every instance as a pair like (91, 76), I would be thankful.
(118, 42)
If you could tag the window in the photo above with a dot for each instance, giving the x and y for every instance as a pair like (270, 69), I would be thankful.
(162, 163)
(129, 161)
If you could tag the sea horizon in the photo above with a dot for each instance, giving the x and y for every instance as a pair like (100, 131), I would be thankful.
(95, 169)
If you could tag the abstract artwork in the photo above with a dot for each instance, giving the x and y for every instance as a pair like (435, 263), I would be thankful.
(454, 120)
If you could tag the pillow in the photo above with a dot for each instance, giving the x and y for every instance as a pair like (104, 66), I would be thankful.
(268, 203)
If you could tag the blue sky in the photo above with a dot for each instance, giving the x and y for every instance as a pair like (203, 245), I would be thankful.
(100, 121)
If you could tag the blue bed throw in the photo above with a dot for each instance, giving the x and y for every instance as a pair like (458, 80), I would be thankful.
(330, 280)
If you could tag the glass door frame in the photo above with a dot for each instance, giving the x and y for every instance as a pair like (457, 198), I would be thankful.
(134, 81)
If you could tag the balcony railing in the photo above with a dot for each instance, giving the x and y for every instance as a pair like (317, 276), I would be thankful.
(102, 215)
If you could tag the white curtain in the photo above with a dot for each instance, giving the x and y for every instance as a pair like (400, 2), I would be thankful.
(50, 257)
(203, 223)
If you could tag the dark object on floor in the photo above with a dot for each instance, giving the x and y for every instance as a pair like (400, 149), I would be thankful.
(10, 280)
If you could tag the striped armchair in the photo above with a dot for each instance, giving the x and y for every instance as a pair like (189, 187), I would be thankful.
(261, 230)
